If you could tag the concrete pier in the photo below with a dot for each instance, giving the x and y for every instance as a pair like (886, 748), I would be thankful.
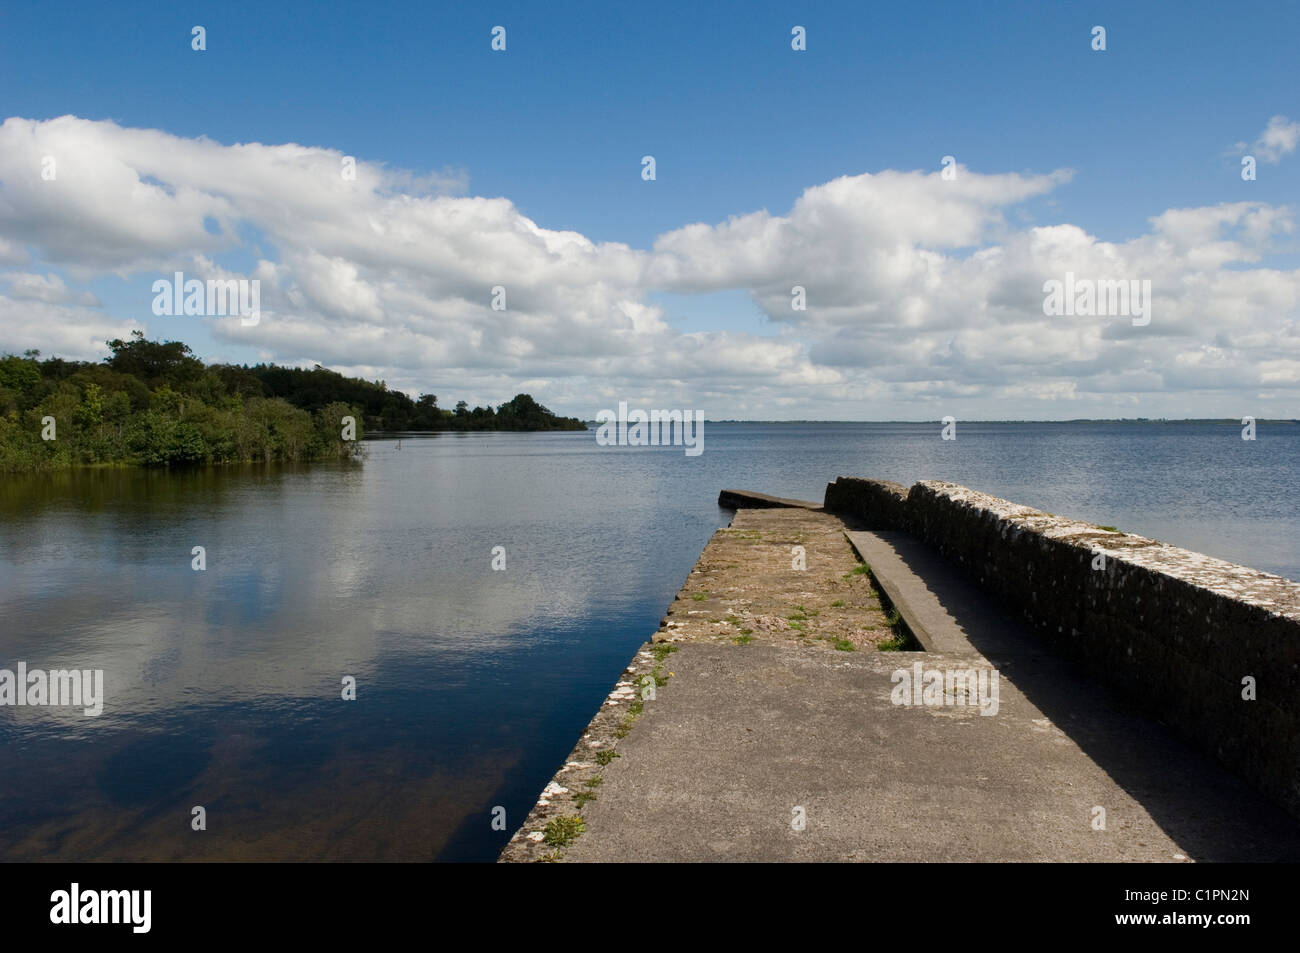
(777, 727)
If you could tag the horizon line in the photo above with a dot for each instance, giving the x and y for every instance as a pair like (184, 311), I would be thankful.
(1003, 420)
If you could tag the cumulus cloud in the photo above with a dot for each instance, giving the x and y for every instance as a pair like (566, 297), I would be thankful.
(1279, 138)
(58, 330)
(25, 286)
(920, 292)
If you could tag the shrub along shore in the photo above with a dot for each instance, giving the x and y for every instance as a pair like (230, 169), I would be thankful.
(152, 403)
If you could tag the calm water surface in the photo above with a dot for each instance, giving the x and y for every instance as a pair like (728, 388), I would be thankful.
(223, 686)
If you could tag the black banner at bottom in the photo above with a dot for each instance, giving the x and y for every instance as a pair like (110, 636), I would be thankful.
(144, 903)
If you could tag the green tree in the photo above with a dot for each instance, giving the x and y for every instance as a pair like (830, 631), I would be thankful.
(91, 411)
(156, 362)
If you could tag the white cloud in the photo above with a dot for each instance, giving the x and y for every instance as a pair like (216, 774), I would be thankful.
(924, 296)
(25, 286)
(58, 330)
(1279, 138)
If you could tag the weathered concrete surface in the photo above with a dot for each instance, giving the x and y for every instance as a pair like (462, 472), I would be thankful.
(744, 734)
(743, 590)
(748, 727)
(745, 585)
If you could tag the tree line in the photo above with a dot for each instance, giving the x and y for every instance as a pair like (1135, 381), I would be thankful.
(391, 410)
(153, 403)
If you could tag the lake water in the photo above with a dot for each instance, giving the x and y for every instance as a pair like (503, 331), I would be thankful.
(224, 686)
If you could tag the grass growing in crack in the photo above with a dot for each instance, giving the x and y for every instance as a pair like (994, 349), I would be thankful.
(797, 617)
(636, 708)
(605, 757)
(562, 831)
(743, 639)
(796, 625)
(837, 604)
(1109, 529)
(661, 652)
(699, 596)
(902, 639)
(861, 569)
(844, 645)
(895, 643)
(732, 620)
(582, 797)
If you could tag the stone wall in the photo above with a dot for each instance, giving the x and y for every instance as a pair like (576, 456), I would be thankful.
(1177, 632)
(876, 504)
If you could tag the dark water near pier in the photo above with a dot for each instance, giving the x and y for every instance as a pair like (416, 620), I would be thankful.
(223, 686)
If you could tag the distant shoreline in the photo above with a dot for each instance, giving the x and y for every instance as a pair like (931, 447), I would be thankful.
(1227, 421)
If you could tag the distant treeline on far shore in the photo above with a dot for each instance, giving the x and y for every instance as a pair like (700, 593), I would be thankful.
(152, 403)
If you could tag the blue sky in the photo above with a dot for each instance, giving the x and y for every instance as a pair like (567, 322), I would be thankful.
(737, 121)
